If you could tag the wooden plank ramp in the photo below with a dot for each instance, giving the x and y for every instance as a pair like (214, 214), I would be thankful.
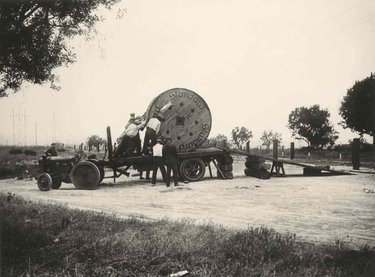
(309, 166)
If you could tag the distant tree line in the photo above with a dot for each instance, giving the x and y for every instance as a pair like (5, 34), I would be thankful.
(312, 124)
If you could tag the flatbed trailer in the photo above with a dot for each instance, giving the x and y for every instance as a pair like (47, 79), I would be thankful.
(191, 165)
(88, 174)
(185, 119)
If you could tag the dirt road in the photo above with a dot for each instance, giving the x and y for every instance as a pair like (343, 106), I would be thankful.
(319, 209)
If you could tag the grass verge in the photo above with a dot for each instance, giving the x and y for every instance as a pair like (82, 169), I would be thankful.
(51, 240)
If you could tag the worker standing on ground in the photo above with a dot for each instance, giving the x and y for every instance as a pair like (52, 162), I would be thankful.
(158, 162)
(170, 160)
(147, 175)
(152, 130)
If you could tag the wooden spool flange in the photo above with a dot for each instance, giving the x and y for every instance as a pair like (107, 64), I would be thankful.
(187, 118)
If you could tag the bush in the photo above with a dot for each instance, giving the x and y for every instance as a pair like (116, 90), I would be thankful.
(308, 149)
(366, 147)
(15, 151)
(343, 148)
(30, 152)
(61, 150)
(7, 172)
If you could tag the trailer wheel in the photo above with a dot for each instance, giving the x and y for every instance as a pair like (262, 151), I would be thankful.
(85, 175)
(44, 182)
(192, 170)
(56, 183)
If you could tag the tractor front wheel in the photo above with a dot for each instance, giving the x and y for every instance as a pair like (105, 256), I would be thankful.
(44, 182)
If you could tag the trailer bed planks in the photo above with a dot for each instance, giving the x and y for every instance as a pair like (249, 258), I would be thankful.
(198, 153)
(201, 153)
(206, 154)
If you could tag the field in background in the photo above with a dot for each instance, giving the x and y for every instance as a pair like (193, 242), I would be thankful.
(22, 161)
(25, 165)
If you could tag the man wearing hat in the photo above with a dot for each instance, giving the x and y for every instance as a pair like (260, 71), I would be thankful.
(136, 140)
(129, 139)
(171, 161)
(158, 161)
(152, 130)
(52, 150)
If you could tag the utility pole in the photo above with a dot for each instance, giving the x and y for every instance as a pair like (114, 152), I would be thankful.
(19, 126)
(54, 128)
(24, 118)
(36, 134)
(13, 123)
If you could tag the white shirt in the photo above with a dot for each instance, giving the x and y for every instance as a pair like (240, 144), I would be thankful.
(157, 150)
(154, 124)
(132, 130)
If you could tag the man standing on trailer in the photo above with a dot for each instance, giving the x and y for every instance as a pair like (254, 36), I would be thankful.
(152, 130)
(171, 161)
(128, 140)
(158, 162)
(139, 120)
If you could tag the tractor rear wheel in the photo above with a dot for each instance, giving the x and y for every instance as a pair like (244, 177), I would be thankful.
(192, 170)
(85, 175)
(102, 174)
(44, 182)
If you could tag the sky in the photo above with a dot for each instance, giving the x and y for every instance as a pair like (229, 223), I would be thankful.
(253, 61)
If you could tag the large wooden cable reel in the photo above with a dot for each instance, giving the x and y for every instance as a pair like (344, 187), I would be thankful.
(187, 118)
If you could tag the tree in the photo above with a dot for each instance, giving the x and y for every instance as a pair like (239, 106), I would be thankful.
(268, 137)
(312, 125)
(218, 139)
(95, 141)
(34, 37)
(358, 107)
(241, 136)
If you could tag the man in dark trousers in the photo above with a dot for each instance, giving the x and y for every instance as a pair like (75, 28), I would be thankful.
(152, 130)
(127, 142)
(171, 161)
(158, 161)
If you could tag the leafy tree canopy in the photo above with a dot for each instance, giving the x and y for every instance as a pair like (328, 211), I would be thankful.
(268, 137)
(240, 136)
(95, 140)
(218, 139)
(33, 37)
(312, 125)
(358, 107)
